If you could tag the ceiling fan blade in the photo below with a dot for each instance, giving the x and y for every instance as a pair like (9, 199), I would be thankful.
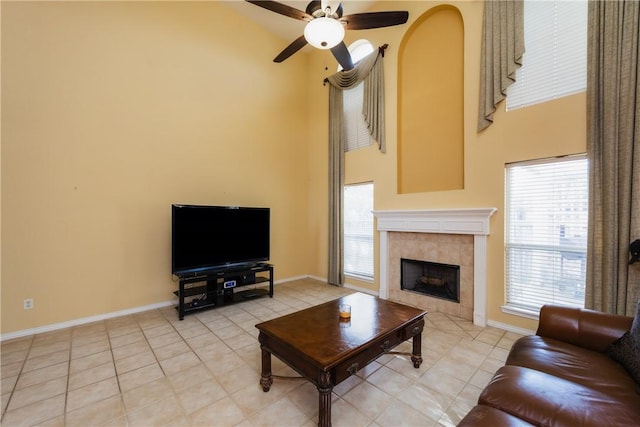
(342, 55)
(313, 7)
(365, 21)
(282, 9)
(295, 46)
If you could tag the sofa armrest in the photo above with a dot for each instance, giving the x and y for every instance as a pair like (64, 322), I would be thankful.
(593, 330)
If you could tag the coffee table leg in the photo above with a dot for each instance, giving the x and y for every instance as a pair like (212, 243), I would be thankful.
(265, 378)
(416, 356)
(324, 403)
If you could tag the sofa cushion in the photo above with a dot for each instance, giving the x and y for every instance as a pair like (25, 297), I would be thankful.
(543, 399)
(590, 329)
(626, 350)
(481, 416)
(572, 363)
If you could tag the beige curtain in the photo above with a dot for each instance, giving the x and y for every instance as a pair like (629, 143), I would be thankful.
(336, 180)
(501, 54)
(369, 70)
(613, 144)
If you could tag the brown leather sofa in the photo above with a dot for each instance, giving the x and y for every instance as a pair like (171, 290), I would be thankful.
(562, 376)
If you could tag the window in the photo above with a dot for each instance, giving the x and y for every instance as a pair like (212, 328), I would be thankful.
(356, 130)
(555, 59)
(358, 231)
(355, 127)
(546, 233)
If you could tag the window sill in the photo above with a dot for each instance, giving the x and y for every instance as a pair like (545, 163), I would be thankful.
(521, 312)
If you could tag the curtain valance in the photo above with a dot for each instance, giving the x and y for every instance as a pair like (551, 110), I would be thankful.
(501, 54)
(370, 70)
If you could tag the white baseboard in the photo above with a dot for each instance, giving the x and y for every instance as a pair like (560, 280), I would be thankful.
(84, 320)
(105, 316)
(318, 278)
(289, 279)
(510, 328)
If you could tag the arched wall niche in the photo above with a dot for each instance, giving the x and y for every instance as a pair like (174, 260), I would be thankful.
(430, 103)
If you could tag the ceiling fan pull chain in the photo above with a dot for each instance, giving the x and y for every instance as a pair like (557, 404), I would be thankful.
(331, 5)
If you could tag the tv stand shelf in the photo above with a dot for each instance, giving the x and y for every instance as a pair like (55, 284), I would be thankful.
(221, 288)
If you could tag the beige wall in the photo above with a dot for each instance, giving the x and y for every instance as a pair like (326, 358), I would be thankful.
(113, 111)
(431, 103)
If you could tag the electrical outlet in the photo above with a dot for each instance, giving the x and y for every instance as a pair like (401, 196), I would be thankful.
(28, 303)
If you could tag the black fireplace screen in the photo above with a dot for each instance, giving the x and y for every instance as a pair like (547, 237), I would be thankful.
(430, 278)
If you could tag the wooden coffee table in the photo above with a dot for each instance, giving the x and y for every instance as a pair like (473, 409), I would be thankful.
(325, 350)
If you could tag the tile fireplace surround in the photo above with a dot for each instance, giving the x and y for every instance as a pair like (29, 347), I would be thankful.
(450, 235)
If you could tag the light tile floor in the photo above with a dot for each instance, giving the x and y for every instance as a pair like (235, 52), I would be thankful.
(150, 369)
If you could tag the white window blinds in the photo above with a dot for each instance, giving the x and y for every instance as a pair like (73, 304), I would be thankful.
(546, 233)
(555, 59)
(358, 230)
(356, 132)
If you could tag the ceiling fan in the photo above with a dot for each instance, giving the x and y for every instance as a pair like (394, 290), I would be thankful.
(326, 26)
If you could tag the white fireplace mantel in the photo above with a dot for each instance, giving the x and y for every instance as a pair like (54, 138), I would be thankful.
(473, 221)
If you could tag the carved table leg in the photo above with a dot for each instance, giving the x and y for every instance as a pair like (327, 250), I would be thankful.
(416, 356)
(324, 404)
(265, 377)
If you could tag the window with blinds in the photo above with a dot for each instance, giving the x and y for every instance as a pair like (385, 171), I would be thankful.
(555, 59)
(358, 231)
(355, 128)
(546, 233)
(356, 132)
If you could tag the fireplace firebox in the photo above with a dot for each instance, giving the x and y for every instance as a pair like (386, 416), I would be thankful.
(431, 278)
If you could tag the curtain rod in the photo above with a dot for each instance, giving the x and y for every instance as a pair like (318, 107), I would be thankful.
(381, 50)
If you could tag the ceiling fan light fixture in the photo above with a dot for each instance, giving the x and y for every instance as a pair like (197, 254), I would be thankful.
(324, 33)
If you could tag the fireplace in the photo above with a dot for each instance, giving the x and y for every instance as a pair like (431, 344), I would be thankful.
(423, 259)
(447, 236)
(431, 278)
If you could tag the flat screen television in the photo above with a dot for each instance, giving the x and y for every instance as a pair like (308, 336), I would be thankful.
(211, 238)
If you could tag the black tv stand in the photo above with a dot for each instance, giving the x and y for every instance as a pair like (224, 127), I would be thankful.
(220, 287)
